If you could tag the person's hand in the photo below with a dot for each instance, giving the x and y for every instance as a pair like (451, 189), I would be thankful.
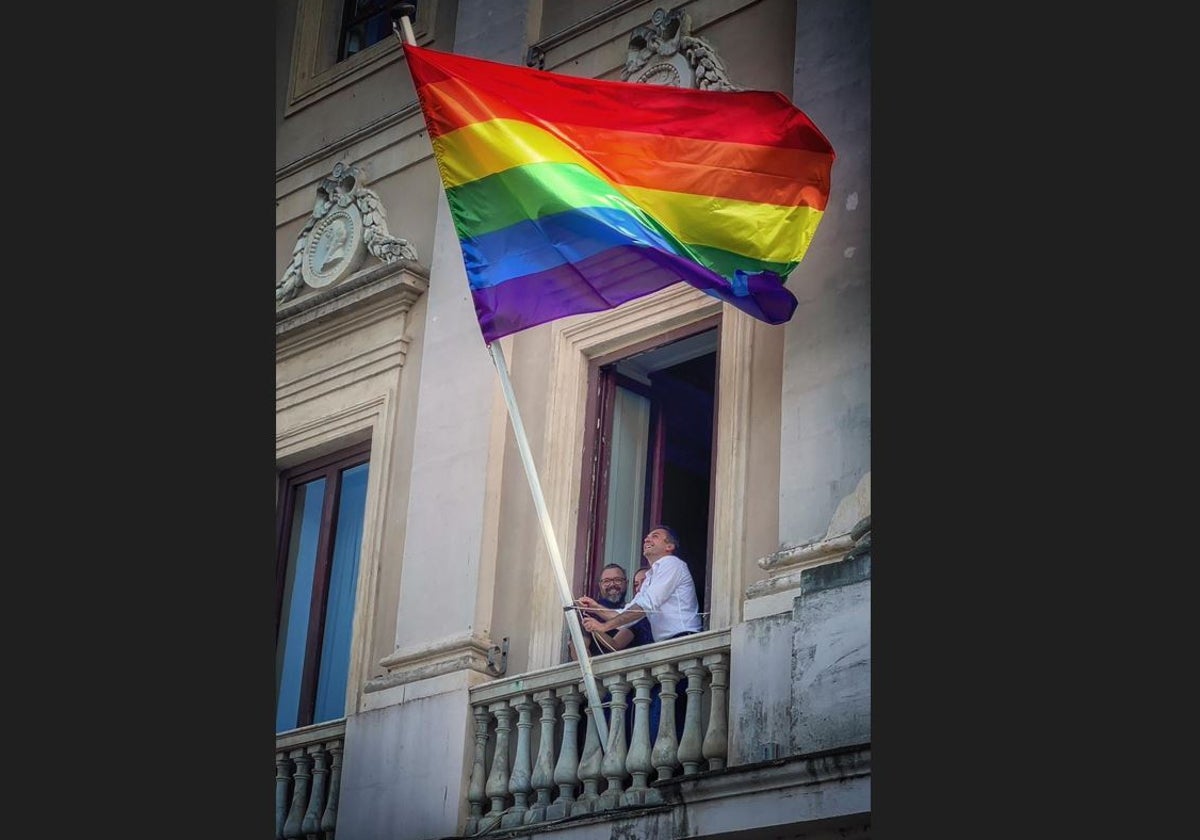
(594, 625)
(587, 603)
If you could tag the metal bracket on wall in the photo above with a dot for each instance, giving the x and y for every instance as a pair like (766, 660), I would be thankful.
(497, 657)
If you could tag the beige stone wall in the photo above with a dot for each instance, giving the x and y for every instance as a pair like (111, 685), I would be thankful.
(341, 380)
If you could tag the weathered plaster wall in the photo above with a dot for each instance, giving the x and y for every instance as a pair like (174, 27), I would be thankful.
(760, 693)
(826, 434)
(424, 727)
(800, 682)
(831, 663)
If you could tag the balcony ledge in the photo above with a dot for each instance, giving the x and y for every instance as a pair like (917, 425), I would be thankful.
(779, 780)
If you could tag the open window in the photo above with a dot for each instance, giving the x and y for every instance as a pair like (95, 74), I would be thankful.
(649, 452)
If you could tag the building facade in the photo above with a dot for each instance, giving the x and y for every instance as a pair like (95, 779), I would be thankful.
(424, 689)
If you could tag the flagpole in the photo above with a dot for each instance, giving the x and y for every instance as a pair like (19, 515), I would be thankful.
(539, 501)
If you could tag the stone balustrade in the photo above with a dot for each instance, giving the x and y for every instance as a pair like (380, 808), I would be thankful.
(308, 769)
(537, 753)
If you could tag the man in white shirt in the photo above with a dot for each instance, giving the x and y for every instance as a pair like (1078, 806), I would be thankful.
(667, 597)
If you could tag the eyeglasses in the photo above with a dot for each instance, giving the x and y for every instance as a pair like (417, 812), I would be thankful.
(612, 580)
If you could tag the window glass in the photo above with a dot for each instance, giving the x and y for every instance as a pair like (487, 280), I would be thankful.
(627, 482)
(297, 598)
(339, 609)
(323, 504)
(366, 22)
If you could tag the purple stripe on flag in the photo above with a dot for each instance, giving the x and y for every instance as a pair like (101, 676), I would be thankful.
(611, 278)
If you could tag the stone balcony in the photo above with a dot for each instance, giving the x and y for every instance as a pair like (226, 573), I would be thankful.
(770, 734)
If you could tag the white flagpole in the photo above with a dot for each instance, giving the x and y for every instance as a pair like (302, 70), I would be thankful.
(564, 589)
(585, 662)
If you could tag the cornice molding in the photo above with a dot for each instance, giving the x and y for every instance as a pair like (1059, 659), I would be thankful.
(444, 656)
(388, 283)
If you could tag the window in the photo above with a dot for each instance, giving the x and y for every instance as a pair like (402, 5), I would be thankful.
(364, 22)
(651, 454)
(320, 536)
(340, 42)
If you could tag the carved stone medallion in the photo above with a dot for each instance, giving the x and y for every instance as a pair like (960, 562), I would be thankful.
(662, 73)
(665, 52)
(334, 247)
(348, 222)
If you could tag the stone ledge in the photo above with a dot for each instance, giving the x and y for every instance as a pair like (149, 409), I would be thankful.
(688, 798)
(788, 565)
(317, 733)
(833, 575)
(807, 554)
(444, 656)
(570, 673)
(400, 279)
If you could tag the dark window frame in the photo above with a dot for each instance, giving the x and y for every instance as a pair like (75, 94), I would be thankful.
(330, 468)
(350, 20)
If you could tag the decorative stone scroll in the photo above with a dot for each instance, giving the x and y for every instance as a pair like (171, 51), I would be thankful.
(666, 53)
(848, 537)
(347, 224)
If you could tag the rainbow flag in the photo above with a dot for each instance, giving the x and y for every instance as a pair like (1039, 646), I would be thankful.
(574, 195)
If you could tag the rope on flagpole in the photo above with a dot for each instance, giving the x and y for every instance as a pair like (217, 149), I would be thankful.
(400, 21)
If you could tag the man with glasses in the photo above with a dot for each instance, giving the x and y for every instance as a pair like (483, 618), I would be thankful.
(612, 595)
(667, 599)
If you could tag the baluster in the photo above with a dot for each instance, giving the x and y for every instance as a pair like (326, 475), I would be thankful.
(543, 768)
(665, 756)
(283, 781)
(638, 761)
(565, 771)
(475, 793)
(518, 783)
(716, 740)
(291, 828)
(613, 765)
(497, 783)
(311, 825)
(329, 818)
(589, 766)
(689, 746)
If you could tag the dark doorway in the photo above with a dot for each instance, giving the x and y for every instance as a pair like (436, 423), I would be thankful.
(650, 454)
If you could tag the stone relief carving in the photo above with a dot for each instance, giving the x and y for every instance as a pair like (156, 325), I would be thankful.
(348, 223)
(666, 53)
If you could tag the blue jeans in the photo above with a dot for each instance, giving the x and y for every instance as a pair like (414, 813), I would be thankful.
(655, 714)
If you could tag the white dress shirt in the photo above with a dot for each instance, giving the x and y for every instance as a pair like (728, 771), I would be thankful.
(668, 597)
